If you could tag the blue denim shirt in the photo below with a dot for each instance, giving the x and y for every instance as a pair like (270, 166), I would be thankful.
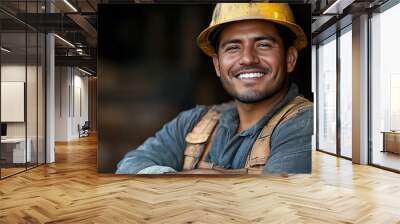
(290, 142)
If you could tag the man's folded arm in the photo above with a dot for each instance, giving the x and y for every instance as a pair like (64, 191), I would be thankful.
(291, 145)
(164, 151)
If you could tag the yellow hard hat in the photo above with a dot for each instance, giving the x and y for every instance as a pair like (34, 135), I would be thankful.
(229, 12)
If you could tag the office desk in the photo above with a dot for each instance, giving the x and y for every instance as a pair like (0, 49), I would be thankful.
(13, 150)
(391, 141)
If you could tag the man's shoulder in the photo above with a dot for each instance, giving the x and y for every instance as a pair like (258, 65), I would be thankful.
(295, 131)
(189, 118)
(199, 110)
(223, 107)
(301, 120)
(192, 114)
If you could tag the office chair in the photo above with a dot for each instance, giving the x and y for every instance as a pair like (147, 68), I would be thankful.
(84, 130)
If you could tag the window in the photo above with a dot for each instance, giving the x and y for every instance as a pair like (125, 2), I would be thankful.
(385, 88)
(346, 92)
(327, 95)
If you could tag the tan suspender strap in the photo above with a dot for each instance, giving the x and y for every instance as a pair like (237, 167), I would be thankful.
(199, 143)
(196, 140)
(259, 153)
(208, 146)
(202, 163)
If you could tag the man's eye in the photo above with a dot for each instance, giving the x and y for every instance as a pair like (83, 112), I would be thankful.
(231, 48)
(264, 45)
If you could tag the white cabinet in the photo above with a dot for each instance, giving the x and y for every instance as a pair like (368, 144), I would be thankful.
(18, 149)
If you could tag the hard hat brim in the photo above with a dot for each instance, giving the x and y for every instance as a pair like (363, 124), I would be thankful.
(206, 46)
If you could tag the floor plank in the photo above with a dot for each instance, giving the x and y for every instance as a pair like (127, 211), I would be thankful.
(71, 191)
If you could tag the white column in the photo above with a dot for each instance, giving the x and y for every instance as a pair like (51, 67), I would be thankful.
(50, 110)
(50, 93)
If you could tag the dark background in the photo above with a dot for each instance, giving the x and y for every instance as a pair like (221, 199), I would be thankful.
(150, 69)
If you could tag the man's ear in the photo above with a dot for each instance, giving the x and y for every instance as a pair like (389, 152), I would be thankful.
(216, 64)
(291, 59)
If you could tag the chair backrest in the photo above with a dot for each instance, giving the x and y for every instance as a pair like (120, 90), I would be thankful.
(86, 125)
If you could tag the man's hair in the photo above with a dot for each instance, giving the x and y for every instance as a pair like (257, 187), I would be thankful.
(286, 35)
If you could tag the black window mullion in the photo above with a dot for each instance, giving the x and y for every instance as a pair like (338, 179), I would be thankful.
(37, 90)
(369, 100)
(26, 87)
(338, 99)
(317, 96)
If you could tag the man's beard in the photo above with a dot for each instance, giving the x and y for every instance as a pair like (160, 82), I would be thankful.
(254, 96)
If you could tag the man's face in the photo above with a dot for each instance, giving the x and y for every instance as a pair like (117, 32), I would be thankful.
(251, 60)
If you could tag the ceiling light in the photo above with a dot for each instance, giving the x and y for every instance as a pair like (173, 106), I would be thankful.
(5, 50)
(65, 41)
(337, 7)
(84, 71)
(70, 5)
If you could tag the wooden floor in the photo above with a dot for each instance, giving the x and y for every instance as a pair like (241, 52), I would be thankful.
(387, 159)
(70, 191)
(5, 172)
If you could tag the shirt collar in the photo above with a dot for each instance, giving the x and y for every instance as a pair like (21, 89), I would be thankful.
(230, 117)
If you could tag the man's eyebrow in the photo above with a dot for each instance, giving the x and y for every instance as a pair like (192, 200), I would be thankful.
(230, 41)
(258, 38)
(270, 38)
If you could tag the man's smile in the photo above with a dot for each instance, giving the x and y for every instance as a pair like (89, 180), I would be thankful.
(252, 76)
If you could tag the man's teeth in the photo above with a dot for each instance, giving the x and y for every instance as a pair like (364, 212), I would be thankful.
(251, 75)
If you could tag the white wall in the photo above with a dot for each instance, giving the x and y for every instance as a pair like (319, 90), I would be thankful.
(62, 81)
(33, 126)
(13, 73)
(16, 73)
(71, 94)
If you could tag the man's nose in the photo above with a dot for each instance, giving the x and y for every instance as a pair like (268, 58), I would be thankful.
(249, 56)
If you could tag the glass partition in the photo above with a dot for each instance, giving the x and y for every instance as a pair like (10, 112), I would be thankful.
(14, 152)
(385, 89)
(32, 85)
(346, 92)
(327, 95)
(31, 100)
(22, 64)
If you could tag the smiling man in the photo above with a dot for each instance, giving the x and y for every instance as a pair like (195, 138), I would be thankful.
(268, 126)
